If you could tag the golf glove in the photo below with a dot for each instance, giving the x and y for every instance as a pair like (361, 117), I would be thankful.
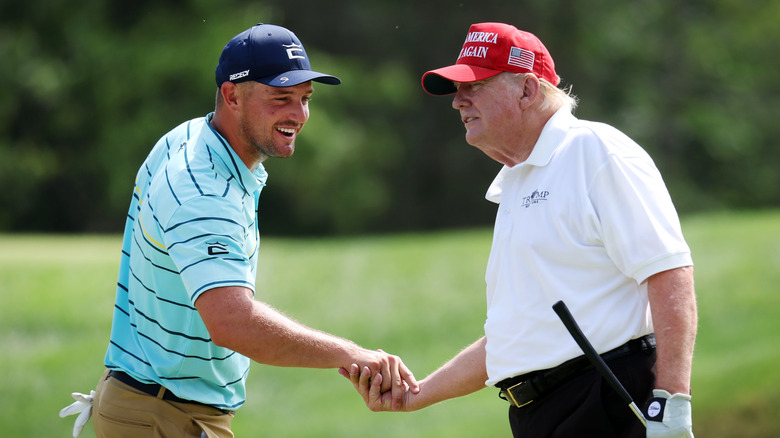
(83, 407)
(669, 416)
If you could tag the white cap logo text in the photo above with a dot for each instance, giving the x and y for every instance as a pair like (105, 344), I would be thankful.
(239, 75)
(478, 51)
(482, 37)
(292, 49)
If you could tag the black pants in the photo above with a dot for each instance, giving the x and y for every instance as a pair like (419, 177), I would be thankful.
(587, 407)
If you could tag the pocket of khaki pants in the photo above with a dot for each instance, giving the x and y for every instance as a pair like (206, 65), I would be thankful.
(117, 426)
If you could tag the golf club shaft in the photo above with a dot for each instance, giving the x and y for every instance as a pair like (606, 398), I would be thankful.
(594, 358)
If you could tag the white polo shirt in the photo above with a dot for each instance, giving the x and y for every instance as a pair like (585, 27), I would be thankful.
(585, 219)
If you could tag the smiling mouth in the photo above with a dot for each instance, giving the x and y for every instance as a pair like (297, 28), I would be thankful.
(287, 132)
(468, 119)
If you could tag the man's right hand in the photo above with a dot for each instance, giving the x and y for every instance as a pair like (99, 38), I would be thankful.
(371, 391)
(392, 378)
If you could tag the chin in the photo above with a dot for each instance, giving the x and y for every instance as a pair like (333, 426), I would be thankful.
(280, 150)
(286, 152)
(471, 139)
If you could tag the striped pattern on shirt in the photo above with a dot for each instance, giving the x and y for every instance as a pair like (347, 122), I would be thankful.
(191, 227)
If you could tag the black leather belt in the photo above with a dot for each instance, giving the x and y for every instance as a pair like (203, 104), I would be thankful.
(523, 389)
(153, 389)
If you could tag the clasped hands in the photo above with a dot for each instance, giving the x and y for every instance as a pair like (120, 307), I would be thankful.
(387, 389)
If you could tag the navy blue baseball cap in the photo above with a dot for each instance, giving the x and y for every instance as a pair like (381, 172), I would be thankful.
(269, 54)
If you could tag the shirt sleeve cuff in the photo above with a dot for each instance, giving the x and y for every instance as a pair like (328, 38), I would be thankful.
(666, 263)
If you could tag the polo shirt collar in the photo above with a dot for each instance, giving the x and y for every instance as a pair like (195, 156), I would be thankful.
(250, 181)
(553, 134)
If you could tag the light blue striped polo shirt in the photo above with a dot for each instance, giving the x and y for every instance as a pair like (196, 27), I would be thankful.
(191, 227)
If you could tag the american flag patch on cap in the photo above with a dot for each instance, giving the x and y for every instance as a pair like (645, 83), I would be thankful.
(521, 58)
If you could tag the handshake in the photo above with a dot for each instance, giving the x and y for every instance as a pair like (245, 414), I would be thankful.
(392, 387)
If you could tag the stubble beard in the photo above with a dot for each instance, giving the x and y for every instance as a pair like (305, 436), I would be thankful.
(263, 146)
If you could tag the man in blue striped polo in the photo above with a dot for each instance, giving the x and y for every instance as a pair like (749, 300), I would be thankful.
(186, 323)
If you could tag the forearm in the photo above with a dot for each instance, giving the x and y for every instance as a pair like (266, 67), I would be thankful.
(275, 339)
(238, 322)
(462, 375)
(673, 307)
(266, 336)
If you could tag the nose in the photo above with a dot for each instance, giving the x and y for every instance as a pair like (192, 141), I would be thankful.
(300, 112)
(459, 101)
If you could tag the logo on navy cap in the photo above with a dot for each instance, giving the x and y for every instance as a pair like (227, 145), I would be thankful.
(292, 48)
(239, 75)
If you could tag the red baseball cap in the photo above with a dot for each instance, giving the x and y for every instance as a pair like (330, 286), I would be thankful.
(489, 49)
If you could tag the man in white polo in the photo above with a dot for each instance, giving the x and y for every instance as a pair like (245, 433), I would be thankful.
(584, 217)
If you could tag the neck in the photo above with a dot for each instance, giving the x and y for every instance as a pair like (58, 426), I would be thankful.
(228, 128)
(524, 139)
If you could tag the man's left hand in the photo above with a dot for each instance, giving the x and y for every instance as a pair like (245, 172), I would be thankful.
(669, 416)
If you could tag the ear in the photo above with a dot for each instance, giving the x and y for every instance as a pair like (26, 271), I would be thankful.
(530, 91)
(230, 95)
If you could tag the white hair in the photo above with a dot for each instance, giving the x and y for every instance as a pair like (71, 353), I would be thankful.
(553, 97)
(557, 98)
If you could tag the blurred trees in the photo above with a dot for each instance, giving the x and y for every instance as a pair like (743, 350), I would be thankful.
(88, 88)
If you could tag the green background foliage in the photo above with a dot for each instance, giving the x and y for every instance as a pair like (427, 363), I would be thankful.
(420, 296)
(89, 86)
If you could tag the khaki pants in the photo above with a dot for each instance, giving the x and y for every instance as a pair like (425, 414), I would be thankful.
(121, 411)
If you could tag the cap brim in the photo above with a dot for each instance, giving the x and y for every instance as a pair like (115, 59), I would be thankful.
(296, 77)
(440, 82)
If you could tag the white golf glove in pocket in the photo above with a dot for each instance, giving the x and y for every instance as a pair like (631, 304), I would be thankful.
(83, 407)
(669, 416)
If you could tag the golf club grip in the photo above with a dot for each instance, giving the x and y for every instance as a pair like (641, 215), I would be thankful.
(594, 358)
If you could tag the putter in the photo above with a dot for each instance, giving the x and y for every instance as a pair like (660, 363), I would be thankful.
(594, 358)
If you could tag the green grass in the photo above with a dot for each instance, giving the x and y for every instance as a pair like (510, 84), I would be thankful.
(419, 296)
